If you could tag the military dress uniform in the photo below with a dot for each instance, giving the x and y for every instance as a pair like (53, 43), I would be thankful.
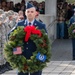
(29, 46)
(72, 21)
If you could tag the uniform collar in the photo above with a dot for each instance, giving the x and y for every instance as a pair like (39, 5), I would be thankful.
(30, 22)
(33, 22)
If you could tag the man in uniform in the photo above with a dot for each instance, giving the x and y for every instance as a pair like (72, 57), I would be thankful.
(72, 19)
(30, 46)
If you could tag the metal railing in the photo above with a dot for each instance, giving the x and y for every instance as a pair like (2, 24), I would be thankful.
(51, 28)
(52, 23)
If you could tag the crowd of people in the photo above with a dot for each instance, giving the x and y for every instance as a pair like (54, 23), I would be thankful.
(65, 11)
(21, 6)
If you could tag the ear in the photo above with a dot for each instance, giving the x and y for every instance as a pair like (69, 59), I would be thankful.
(37, 13)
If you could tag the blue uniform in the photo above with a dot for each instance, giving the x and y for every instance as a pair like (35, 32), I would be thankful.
(30, 47)
(72, 20)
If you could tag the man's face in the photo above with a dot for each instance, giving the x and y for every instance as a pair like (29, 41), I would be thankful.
(30, 13)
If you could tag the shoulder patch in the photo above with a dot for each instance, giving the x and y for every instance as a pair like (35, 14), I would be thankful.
(21, 21)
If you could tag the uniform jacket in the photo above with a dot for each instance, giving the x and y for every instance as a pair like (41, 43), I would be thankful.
(72, 20)
(29, 47)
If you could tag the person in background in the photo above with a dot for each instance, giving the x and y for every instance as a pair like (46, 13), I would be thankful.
(41, 9)
(60, 21)
(3, 38)
(20, 16)
(72, 19)
(37, 14)
(3, 4)
(10, 19)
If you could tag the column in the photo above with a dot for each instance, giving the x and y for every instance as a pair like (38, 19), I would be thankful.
(51, 7)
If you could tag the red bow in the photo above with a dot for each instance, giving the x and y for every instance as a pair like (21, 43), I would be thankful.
(31, 30)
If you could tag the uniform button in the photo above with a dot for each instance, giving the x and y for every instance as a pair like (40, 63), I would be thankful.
(27, 48)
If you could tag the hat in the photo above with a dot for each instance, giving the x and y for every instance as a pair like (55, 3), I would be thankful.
(10, 13)
(29, 5)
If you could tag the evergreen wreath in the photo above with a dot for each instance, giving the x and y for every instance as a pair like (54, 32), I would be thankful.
(71, 31)
(39, 37)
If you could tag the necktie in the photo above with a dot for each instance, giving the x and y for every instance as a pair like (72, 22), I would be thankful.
(29, 23)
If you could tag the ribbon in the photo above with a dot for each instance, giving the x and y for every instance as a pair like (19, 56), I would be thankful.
(31, 30)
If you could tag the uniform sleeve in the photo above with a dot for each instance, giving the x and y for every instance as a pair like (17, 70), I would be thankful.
(71, 21)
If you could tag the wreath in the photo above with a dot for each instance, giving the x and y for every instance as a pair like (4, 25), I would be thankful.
(39, 58)
(71, 31)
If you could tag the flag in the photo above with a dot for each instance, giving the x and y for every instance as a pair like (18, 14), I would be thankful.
(17, 50)
(41, 57)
